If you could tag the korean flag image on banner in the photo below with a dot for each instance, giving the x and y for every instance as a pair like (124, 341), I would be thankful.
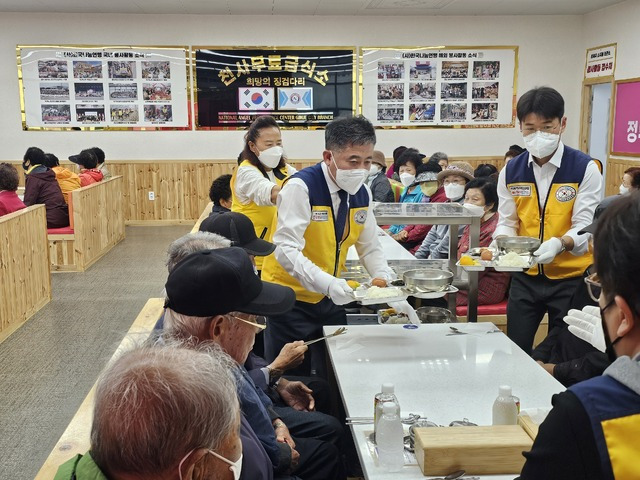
(295, 99)
(251, 98)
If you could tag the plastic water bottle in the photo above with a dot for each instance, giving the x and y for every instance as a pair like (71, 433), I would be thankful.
(505, 410)
(390, 439)
(386, 395)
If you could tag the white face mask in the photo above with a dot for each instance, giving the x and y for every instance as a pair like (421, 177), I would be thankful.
(454, 191)
(541, 144)
(476, 210)
(235, 467)
(350, 180)
(407, 179)
(623, 189)
(374, 170)
(270, 157)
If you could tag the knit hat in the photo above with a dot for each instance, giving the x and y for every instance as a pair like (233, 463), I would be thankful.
(463, 169)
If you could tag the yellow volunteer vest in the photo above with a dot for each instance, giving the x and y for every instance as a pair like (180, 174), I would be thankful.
(554, 220)
(262, 217)
(321, 246)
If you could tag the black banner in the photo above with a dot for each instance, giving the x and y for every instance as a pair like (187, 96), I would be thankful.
(300, 88)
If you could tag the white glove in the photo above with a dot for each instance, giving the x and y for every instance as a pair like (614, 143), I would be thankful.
(548, 250)
(403, 307)
(340, 292)
(587, 325)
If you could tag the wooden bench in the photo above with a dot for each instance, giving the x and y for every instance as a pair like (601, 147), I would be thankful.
(97, 225)
(25, 280)
(76, 438)
(497, 314)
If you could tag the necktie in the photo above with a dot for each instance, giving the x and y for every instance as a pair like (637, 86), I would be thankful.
(341, 220)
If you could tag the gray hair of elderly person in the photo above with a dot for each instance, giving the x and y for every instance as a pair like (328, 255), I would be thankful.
(155, 404)
(436, 157)
(192, 243)
(344, 132)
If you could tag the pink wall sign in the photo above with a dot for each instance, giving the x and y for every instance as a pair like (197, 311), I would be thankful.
(626, 121)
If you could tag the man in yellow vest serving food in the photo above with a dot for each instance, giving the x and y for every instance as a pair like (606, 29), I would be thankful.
(549, 192)
(322, 211)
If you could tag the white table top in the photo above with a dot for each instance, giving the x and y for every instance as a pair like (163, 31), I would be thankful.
(444, 378)
(392, 249)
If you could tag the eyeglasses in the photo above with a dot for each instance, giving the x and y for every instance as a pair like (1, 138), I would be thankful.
(593, 286)
(545, 128)
(258, 321)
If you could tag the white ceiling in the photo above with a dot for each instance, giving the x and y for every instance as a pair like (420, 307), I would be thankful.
(312, 7)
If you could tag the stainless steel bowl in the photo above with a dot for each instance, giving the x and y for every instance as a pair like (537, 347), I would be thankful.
(519, 245)
(425, 280)
(435, 315)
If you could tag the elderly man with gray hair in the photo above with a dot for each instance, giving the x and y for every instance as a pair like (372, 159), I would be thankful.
(215, 296)
(163, 412)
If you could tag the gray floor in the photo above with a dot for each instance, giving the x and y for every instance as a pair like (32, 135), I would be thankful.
(49, 364)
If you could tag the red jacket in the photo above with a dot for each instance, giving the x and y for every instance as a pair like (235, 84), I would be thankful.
(90, 176)
(41, 186)
(10, 202)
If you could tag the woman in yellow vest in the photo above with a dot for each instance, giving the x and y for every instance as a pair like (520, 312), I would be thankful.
(259, 177)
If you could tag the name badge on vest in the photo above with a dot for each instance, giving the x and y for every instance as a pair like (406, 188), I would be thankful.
(520, 190)
(320, 216)
(566, 193)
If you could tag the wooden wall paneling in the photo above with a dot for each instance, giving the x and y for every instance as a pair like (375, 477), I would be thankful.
(25, 280)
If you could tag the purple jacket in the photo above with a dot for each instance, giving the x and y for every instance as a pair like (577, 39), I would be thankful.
(41, 186)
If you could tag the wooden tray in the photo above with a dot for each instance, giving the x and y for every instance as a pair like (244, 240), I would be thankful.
(477, 450)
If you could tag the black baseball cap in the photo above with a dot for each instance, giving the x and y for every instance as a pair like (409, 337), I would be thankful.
(86, 158)
(216, 282)
(602, 206)
(240, 230)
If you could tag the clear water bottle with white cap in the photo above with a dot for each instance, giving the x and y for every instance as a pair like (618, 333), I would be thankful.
(386, 395)
(505, 410)
(390, 439)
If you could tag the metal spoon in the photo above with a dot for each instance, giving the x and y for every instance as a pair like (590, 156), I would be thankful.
(456, 331)
(339, 331)
(452, 476)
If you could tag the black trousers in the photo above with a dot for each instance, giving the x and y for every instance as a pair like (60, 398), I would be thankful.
(529, 299)
(304, 322)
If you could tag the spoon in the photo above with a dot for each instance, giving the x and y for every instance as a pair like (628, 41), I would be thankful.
(456, 332)
(338, 331)
(452, 476)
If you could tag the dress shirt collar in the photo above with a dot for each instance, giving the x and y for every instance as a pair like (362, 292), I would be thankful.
(556, 159)
(333, 188)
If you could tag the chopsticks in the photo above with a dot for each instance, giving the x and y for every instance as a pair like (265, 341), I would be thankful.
(339, 331)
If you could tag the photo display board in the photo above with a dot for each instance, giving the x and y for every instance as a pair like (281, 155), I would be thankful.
(106, 88)
(625, 130)
(299, 87)
(449, 86)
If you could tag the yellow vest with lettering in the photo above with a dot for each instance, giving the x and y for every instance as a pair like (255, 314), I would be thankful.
(261, 216)
(321, 245)
(554, 220)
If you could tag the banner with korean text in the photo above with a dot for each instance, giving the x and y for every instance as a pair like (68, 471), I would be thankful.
(408, 87)
(95, 87)
(299, 87)
(626, 118)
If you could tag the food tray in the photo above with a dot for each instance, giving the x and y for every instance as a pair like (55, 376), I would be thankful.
(484, 264)
(431, 295)
(360, 297)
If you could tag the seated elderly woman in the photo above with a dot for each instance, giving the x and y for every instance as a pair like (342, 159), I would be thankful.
(454, 178)
(630, 180)
(188, 432)
(420, 182)
(481, 194)
(9, 200)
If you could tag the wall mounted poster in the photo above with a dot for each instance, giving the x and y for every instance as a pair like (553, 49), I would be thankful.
(626, 118)
(300, 87)
(104, 88)
(439, 86)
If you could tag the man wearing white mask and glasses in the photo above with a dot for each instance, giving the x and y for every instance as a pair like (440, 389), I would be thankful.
(261, 171)
(549, 192)
(322, 211)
